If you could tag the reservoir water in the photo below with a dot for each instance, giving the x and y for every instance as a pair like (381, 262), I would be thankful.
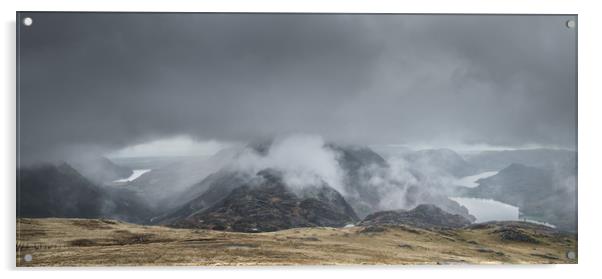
(489, 210)
(486, 210)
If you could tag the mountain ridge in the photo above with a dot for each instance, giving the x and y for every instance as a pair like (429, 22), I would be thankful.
(61, 191)
(267, 204)
(425, 216)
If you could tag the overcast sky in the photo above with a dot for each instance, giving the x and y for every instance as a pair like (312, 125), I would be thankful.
(116, 80)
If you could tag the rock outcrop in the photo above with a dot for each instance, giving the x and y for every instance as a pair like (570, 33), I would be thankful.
(424, 216)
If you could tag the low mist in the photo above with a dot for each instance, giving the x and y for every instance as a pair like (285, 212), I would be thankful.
(303, 160)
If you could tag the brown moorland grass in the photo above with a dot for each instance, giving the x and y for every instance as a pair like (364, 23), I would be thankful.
(100, 242)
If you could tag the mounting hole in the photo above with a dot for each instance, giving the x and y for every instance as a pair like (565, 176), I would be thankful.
(28, 21)
(571, 24)
(28, 258)
(571, 255)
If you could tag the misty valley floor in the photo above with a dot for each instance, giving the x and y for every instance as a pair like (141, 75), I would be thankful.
(99, 242)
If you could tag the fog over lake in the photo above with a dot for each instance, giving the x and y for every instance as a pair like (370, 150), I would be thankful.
(471, 180)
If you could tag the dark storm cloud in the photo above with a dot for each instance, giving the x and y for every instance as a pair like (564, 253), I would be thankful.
(111, 80)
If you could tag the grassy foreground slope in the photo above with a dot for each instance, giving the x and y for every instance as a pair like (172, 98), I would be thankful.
(99, 242)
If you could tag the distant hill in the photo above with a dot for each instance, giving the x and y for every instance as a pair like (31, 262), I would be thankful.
(204, 194)
(358, 164)
(174, 184)
(266, 204)
(423, 216)
(100, 170)
(540, 158)
(437, 160)
(60, 191)
(364, 166)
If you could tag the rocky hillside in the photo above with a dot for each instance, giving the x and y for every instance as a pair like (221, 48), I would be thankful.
(363, 167)
(204, 194)
(423, 216)
(60, 191)
(266, 203)
(358, 164)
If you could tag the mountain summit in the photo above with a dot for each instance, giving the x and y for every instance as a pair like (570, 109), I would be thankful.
(266, 203)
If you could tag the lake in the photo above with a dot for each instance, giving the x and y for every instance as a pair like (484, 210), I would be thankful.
(486, 210)
(489, 210)
(134, 176)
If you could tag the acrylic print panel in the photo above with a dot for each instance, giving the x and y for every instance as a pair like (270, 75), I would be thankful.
(287, 139)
